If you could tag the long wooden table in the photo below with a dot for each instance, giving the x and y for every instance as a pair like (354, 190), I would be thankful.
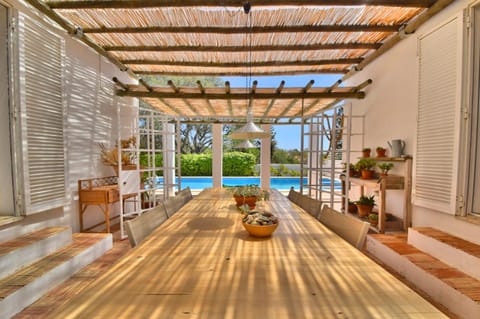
(201, 263)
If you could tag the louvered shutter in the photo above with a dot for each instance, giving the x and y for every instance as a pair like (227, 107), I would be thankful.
(42, 116)
(437, 142)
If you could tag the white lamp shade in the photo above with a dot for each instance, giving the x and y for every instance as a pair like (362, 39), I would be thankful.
(249, 131)
(246, 144)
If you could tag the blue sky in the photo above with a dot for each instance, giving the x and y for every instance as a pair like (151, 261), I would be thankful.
(287, 136)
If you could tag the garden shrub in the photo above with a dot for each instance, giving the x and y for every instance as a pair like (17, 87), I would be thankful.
(238, 164)
(196, 164)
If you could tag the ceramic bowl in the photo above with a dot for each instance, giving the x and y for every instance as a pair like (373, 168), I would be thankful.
(260, 230)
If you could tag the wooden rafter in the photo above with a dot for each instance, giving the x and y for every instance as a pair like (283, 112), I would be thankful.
(295, 100)
(220, 73)
(241, 96)
(244, 64)
(309, 47)
(202, 91)
(244, 30)
(272, 101)
(103, 4)
(227, 91)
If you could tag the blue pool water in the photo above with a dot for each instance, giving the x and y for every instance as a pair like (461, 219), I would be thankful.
(281, 183)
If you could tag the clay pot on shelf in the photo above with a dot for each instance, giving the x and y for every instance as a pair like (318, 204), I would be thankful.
(381, 152)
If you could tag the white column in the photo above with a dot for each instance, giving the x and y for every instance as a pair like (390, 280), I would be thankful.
(265, 159)
(314, 159)
(217, 155)
(169, 157)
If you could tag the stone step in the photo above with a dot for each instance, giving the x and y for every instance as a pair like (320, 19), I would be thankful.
(448, 286)
(25, 249)
(452, 250)
(22, 288)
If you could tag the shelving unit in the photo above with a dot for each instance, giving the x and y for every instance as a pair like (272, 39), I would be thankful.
(329, 137)
(384, 183)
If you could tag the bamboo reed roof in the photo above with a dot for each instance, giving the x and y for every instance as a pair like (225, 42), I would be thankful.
(217, 38)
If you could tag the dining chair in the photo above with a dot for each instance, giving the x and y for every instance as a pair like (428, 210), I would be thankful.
(310, 205)
(141, 226)
(185, 194)
(293, 196)
(351, 229)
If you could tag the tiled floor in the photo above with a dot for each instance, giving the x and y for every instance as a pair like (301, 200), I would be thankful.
(76, 283)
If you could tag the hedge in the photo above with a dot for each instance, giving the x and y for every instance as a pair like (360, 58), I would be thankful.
(238, 164)
(234, 164)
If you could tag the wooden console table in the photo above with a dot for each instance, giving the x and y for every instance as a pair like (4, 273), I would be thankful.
(101, 192)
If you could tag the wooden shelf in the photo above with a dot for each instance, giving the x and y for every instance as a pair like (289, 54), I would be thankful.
(383, 183)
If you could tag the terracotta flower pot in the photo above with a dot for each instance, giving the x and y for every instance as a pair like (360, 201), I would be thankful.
(364, 210)
(367, 174)
(251, 201)
(382, 153)
(352, 208)
(366, 153)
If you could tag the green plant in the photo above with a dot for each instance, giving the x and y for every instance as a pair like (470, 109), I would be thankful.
(365, 164)
(373, 217)
(379, 148)
(385, 167)
(249, 191)
(238, 164)
(366, 149)
(366, 200)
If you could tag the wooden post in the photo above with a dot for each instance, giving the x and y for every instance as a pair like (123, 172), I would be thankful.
(407, 194)
(381, 206)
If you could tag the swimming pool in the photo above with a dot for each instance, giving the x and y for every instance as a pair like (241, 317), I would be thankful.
(281, 183)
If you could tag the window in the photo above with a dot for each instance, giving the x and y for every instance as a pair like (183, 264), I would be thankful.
(438, 119)
(39, 129)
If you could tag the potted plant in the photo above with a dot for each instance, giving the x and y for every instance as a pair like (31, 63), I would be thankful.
(248, 194)
(373, 219)
(352, 207)
(352, 170)
(381, 151)
(366, 167)
(385, 167)
(366, 152)
(365, 205)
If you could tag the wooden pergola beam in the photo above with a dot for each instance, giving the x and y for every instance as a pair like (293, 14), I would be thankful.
(227, 91)
(241, 96)
(244, 30)
(295, 100)
(272, 101)
(129, 4)
(245, 73)
(202, 91)
(201, 48)
(243, 64)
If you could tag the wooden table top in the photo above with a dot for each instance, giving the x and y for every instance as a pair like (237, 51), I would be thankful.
(201, 263)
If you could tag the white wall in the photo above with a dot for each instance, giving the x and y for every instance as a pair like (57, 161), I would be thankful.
(390, 110)
(91, 118)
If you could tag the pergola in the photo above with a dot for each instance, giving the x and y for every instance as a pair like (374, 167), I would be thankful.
(218, 38)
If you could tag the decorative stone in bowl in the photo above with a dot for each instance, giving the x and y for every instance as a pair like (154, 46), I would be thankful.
(260, 224)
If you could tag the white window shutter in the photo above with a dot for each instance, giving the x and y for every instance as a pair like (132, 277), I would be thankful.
(436, 159)
(41, 117)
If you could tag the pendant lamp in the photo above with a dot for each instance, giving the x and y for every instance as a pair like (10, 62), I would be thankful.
(249, 130)
(246, 144)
